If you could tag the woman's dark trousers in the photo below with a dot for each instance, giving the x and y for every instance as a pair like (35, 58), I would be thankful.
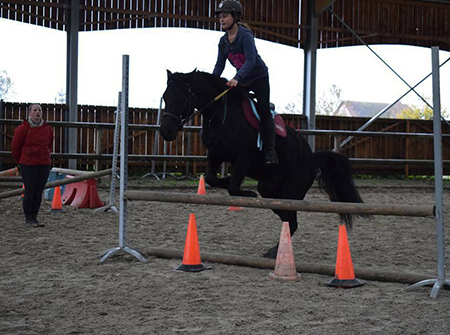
(34, 179)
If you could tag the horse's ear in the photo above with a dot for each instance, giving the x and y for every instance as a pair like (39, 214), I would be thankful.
(169, 74)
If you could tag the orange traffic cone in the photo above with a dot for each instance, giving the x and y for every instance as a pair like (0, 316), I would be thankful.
(235, 208)
(344, 273)
(285, 264)
(56, 202)
(191, 257)
(201, 186)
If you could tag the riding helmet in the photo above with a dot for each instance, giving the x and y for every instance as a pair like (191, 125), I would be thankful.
(229, 6)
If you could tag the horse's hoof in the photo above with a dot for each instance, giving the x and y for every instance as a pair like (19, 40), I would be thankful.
(252, 194)
(271, 253)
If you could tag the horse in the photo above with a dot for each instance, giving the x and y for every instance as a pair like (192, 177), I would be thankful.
(228, 137)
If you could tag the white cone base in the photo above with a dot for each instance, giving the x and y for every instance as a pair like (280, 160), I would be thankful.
(273, 276)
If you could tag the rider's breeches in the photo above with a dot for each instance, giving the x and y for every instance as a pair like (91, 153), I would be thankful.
(262, 90)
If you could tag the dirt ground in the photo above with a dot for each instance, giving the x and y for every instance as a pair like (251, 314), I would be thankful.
(52, 281)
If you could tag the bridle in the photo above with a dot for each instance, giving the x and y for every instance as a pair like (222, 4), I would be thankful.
(184, 117)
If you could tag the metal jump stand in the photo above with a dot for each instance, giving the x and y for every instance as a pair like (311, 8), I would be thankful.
(440, 281)
(164, 174)
(112, 189)
(152, 173)
(123, 170)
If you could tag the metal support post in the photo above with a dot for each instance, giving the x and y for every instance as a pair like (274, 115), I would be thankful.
(123, 169)
(188, 150)
(440, 282)
(112, 189)
(72, 79)
(155, 151)
(309, 77)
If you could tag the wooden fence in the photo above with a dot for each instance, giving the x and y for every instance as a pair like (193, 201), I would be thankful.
(98, 138)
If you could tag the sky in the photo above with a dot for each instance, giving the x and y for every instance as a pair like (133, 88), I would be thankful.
(35, 60)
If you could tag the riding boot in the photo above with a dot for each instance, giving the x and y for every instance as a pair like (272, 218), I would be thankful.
(267, 129)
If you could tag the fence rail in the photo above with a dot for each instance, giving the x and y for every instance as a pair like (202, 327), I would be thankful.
(389, 146)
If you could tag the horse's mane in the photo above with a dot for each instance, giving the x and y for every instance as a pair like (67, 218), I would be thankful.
(215, 80)
(210, 78)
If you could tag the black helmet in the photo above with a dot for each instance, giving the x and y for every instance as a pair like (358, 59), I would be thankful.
(229, 6)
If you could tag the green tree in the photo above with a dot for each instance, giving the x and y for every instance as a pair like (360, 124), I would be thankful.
(6, 85)
(422, 112)
(416, 113)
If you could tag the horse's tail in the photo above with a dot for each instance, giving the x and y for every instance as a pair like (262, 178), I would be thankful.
(334, 175)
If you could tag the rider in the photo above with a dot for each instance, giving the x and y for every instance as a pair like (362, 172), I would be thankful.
(238, 46)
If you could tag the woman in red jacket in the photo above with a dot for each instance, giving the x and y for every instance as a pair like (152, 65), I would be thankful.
(31, 147)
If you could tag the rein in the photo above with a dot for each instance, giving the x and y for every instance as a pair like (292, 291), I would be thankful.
(188, 106)
(207, 105)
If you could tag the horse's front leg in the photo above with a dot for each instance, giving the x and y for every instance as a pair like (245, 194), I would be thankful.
(240, 171)
(211, 173)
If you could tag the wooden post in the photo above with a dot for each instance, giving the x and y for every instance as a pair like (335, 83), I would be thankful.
(98, 148)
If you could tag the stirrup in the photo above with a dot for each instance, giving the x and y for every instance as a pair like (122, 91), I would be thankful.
(270, 158)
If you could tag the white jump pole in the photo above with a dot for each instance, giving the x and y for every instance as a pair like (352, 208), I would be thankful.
(440, 282)
(123, 169)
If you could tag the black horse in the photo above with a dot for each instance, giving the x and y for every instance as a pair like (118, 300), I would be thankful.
(229, 138)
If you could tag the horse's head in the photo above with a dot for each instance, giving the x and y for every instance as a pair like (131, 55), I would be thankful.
(180, 104)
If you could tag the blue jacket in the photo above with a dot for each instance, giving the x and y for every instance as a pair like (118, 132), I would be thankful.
(243, 55)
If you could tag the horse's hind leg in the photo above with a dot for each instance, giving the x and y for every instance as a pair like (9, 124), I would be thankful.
(279, 190)
(292, 189)
(285, 216)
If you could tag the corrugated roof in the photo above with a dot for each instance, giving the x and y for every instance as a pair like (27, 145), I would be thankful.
(411, 22)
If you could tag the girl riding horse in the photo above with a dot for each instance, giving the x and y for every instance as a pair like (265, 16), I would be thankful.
(238, 46)
(230, 138)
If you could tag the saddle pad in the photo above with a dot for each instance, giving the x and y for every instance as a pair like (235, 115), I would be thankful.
(280, 127)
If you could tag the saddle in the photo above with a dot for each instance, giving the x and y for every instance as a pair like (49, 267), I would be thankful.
(253, 118)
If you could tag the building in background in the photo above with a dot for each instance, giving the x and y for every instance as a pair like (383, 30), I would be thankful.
(369, 109)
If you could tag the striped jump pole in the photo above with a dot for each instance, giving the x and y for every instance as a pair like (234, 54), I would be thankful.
(66, 181)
